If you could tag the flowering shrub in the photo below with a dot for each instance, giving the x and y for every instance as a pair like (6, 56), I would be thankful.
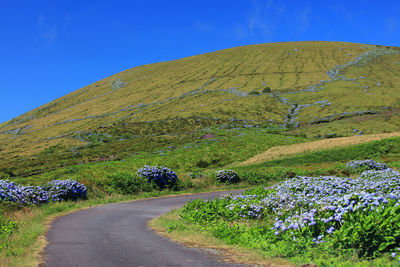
(56, 190)
(65, 190)
(161, 176)
(383, 175)
(227, 176)
(322, 206)
(395, 255)
(305, 212)
(368, 164)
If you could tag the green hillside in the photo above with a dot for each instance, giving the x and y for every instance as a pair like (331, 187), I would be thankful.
(299, 89)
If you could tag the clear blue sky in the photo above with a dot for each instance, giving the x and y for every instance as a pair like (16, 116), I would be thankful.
(50, 48)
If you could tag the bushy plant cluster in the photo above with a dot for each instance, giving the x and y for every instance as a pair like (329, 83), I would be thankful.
(197, 174)
(266, 90)
(161, 176)
(395, 255)
(56, 190)
(227, 176)
(127, 183)
(361, 215)
(368, 164)
(7, 227)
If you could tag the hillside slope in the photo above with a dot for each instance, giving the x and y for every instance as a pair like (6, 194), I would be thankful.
(318, 145)
(318, 89)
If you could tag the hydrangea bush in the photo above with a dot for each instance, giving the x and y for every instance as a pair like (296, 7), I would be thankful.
(57, 190)
(65, 190)
(361, 214)
(161, 176)
(368, 164)
(227, 176)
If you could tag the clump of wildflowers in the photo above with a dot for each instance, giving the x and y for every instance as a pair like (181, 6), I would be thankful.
(395, 255)
(368, 164)
(161, 176)
(227, 176)
(57, 190)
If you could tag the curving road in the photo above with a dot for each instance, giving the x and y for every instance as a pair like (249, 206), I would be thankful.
(117, 235)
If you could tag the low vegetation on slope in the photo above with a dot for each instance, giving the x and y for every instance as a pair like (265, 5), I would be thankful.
(317, 89)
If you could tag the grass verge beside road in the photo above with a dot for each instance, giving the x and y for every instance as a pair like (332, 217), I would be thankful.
(170, 226)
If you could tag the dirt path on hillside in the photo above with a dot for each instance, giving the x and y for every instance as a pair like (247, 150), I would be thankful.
(282, 151)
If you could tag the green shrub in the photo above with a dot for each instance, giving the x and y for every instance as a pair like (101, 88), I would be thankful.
(7, 227)
(256, 178)
(227, 176)
(183, 185)
(126, 183)
(368, 233)
(202, 164)
(254, 93)
(266, 90)
(196, 174)
(163, 177)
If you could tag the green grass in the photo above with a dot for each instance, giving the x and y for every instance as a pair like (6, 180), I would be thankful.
(229, 146)
(237, 244)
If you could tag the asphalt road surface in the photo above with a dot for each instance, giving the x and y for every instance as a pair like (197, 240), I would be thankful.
(117, 235)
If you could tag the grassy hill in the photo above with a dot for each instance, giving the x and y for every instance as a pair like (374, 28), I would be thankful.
(299, 89)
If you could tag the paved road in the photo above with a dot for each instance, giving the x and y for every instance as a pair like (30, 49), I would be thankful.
(117, 235)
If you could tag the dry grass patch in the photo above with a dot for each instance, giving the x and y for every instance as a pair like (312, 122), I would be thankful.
(282, 151)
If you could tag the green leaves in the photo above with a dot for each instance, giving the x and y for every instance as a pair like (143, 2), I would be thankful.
(7, 227)
(126, 183)
(370, 233)
(203, 212)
